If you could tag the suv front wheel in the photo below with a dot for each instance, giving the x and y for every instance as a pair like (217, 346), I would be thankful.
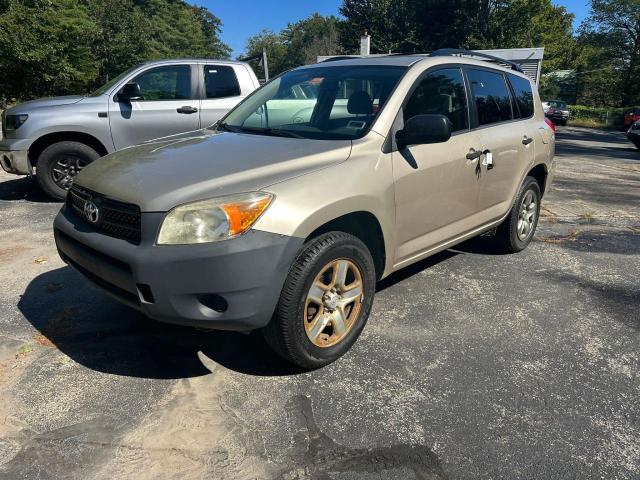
(58, 165)
(325, 301)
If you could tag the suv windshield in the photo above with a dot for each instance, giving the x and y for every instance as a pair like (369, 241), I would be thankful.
(325, 102)
(104, 88)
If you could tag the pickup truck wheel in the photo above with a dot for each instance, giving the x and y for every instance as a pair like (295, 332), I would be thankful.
(58, 165)
(516, 232)
(325, 301)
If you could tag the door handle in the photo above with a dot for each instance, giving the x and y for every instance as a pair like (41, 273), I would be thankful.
(527, 140)
(474, 154)
(187, 110)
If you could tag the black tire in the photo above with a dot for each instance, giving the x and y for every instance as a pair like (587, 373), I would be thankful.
(507, 239)
(563, 123)
(637, 145)
(286, 333)
(77, 154)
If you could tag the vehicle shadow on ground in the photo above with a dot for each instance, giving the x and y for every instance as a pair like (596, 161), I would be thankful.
(23, 188)
(98, 332)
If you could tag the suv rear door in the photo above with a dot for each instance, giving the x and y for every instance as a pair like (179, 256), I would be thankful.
(506, 141)
(169, 105)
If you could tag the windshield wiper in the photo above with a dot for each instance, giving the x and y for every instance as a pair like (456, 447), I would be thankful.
(226, 127)
(276, 132)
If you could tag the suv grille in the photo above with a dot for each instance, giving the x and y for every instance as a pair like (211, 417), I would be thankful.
(113, 218)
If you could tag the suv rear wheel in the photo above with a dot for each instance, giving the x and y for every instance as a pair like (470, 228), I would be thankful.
(58, 165)
(325, 301)
(516, 232)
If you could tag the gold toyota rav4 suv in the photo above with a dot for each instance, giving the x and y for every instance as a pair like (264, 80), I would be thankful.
(283, 215)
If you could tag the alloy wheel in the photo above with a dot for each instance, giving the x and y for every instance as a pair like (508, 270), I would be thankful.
(527, 215)
(333, 303)
(65, 170)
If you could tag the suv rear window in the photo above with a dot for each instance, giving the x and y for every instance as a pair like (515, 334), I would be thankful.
(524, 95)
(220, 81)
(491, 96)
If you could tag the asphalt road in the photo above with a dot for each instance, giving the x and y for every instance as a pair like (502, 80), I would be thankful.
(472, 366)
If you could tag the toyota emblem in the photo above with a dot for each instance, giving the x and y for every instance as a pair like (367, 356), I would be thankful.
(91, 211)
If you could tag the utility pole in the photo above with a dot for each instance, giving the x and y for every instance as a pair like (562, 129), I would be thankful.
(265, 65)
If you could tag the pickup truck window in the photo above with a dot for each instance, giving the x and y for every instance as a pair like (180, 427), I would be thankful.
(325, 102)
(220, 81)
(441, 92)
(172, 82)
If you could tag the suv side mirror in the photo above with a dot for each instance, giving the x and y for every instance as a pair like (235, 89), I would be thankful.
(130, 91)
(423, 129)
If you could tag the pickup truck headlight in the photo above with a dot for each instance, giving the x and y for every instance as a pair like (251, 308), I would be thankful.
(14, 122)
(213, 220)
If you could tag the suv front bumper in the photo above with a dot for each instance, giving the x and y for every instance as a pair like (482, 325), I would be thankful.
(14, 156)
(228, 285)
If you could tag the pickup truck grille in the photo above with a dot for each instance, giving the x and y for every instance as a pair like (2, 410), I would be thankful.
(111, 217)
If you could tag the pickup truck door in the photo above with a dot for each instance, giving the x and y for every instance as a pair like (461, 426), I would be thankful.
(169, 105)
(221, 91)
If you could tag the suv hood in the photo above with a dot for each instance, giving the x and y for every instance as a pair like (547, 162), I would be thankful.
(171, 171)
(46, 102)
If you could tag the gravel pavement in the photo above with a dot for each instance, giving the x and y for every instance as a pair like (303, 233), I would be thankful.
(472, 365)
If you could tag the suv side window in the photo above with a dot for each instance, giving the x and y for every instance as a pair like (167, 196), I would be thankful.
(524, 95)
(491, 96)
(220, 81)
(172, 82)
(440, 92)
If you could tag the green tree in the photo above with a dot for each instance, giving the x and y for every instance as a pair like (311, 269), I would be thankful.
(276, 51)
(50, 47)
(610, 37)
(298, 44)
(45, 48)
(425, 25)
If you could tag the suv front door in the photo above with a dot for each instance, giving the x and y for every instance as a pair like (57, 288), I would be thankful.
(167, 106)
(436, 185)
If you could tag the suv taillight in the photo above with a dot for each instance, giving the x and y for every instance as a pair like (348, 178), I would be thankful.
(550, 123)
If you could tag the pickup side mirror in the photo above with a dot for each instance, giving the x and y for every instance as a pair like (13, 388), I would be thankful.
(130, 91)
(423, 129)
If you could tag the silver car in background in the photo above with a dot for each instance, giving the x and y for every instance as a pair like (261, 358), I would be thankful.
(55, 138)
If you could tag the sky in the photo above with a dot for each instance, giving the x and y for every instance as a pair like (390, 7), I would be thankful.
(244, 18)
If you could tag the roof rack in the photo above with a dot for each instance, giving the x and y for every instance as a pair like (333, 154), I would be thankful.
(340, 57)
(471, 53)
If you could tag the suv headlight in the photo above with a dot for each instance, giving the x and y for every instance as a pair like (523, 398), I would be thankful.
(14, 122)
(213, 220)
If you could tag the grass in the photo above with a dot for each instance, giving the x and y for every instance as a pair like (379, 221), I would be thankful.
(588, 123)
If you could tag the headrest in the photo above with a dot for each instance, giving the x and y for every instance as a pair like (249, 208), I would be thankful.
(360, 103)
